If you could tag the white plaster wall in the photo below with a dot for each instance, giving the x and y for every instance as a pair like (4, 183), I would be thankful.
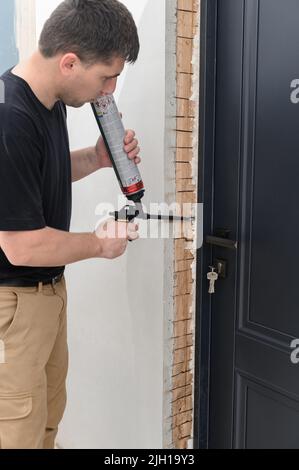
(115, 384)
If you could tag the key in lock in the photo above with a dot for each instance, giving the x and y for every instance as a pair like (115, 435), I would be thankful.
(212, 277)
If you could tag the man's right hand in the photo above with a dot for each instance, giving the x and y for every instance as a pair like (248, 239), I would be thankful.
(113, 237)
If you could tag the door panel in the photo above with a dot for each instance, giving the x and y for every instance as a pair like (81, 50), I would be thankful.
(267, 408)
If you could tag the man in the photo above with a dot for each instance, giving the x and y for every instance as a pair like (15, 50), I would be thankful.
(82, 50)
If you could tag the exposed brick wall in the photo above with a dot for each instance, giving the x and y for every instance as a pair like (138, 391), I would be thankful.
(186, 191)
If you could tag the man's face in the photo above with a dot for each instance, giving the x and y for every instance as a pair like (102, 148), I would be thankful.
(86, 84)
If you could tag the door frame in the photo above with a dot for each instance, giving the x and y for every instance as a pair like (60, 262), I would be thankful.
(207, 112)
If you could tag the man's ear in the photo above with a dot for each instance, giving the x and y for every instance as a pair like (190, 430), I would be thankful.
(68, 63)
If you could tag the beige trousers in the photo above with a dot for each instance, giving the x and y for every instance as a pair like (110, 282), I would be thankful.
(33, 365)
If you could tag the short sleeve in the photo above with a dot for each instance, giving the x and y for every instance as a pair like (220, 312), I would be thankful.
(21, 206)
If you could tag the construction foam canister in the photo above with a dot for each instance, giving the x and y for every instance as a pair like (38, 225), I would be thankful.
(113, 133)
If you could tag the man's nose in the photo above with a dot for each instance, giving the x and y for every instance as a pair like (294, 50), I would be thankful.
(110, 87)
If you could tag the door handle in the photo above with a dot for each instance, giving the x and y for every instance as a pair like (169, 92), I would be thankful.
(222, 242)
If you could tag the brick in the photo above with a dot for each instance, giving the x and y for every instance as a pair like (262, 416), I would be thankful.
(190, 326)
(183, 171)
(188, 256)
(183, 305)
(182, 355)
(187, 231)
(182, 404)
(185, 24)
(179, 356)
(176, 435)
(181, 392)
(180, 368)
(180, 328)
(181, 444)
(183, 342)
(182, 279)
(185, 5)
(184, 198)
(181, 380)
(182, 107)
(182, 418)
(184, 55)
(183, 265)
(182, 252)
(185, 108)
(184, 230)
(185, 185)
(184, 139)
(185, 124)
(195, 6)
(187, 210)
(184, 155)
(180, 248)
(184, 84)
(184, 430)
(183, 289)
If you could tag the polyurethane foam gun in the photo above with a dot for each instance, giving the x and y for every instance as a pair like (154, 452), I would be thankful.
(127, 172)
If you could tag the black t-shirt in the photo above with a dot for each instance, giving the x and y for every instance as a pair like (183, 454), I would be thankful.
(35, 170)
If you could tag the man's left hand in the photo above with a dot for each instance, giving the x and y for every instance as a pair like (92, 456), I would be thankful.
(130, 147)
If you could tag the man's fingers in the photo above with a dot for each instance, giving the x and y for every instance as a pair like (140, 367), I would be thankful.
(130, 134)
(133, 231)
(133, 236)
(132, 146)
(127, 230)
(132, 227)
(118, 229)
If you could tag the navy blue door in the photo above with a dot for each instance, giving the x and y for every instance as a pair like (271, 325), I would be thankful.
(248, 386)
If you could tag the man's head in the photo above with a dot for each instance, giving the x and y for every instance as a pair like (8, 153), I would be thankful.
(89, 41)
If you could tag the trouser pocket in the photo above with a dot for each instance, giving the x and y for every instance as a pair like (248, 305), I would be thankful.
(15, 407)
(15, 411)
(9, 310)
(22, 421)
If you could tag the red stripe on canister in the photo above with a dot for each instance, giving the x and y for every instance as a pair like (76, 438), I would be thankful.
(134, 188)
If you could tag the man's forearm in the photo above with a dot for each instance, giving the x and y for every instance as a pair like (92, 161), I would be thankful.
(84, 163)
(51, 248)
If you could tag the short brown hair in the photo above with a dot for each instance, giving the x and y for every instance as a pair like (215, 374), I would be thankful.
(94, 30)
